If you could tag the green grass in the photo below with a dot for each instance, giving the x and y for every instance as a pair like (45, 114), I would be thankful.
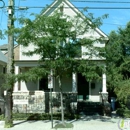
(63, 125)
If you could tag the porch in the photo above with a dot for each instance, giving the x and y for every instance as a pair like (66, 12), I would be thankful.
(75, 83)
(40, 102)
(34, 97)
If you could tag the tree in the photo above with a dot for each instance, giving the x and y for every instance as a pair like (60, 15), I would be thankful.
(58, 40)
(118, 62)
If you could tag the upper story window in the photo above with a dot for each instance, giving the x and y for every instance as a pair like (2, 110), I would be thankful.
(72, 48)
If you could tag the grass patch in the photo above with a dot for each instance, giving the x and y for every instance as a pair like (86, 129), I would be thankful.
(63, 125)
(40, 116)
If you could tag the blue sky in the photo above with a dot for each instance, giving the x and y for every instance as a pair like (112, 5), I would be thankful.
(117, 17)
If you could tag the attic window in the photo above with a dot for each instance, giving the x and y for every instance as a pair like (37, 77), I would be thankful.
(61, 8)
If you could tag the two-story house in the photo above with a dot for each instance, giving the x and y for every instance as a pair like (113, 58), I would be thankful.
(32, 96)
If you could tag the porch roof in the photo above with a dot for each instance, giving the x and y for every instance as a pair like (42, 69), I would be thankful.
(34, 63)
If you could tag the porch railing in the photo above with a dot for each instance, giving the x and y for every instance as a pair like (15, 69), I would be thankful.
(39, 101)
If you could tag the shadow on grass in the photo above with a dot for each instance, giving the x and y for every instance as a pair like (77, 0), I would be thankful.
(22, 122)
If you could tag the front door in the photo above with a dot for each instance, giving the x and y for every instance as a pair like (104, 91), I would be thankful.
(83, 87)
(43, 84)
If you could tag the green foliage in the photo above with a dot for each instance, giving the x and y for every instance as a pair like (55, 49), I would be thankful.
(123, 112)
(120, 112)
(8, 123)
(1, 117)
(126, 113)
(1, 35)
(40, 116)
(33, 74)
(122, 90)
(118, 62)
(10, 80)
(57, 40)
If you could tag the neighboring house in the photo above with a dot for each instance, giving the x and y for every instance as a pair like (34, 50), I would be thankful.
(3, 64)
(4, 48)
(34, 96)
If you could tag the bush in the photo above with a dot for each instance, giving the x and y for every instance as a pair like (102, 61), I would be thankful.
(21, 116)
(1, 117)
(123, 112)
(39, 116)
(120, 111)
(127, 113)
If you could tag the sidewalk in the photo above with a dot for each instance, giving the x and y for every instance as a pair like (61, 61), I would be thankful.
(85, 123)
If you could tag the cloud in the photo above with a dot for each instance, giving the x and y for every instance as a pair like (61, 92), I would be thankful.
(120, 17)
(117, 20)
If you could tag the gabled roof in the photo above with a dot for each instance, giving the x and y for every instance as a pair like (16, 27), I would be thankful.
(4, 47)
(3, 58)
(57, 3)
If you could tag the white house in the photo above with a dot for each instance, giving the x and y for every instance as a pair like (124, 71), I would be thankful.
(26, 93)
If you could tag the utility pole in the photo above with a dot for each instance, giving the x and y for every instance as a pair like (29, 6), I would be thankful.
(10, 66)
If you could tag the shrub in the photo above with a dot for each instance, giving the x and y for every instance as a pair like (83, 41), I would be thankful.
(1, 117)
(41, 116)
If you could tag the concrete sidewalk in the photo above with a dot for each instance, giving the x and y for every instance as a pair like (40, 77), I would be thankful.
(85, 123)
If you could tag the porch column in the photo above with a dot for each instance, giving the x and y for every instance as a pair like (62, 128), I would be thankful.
(16, 84)
(74, 82)
(104, 88)
(104, 93)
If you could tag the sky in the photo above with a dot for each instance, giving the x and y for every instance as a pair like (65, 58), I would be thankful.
(118, 17)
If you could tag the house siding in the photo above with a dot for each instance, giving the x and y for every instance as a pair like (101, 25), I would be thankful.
(27, 49)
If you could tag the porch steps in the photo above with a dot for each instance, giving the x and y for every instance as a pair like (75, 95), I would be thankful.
(90, 108)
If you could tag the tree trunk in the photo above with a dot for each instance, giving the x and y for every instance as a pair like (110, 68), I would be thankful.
(61, 97)
(10, 66)
(8, 109)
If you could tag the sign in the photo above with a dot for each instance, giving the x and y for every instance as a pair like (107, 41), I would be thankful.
(124, 124)
(16, 101)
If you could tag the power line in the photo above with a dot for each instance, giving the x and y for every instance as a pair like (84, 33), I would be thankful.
(100, 1)
(27, 7)
(114, 24)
